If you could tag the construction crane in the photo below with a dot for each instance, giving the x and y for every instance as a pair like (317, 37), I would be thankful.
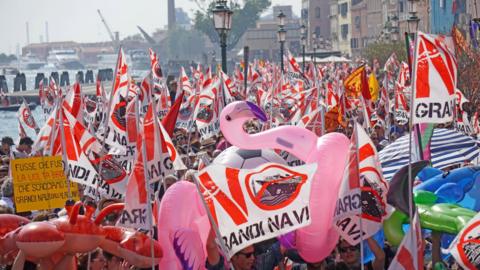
(114, 38)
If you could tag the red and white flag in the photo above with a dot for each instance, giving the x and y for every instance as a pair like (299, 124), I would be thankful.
(21, 131)
(134, 214)
(240, 198)
(206, 111)
(116, 133)
(365, 190)
(435, 79)
(230, 91)
(410, 252)
(25, 117)
(466, 246)
(185, 84)
(155, 65)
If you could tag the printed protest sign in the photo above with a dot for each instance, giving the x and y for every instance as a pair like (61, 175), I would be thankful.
(249, 206)
(40, 183)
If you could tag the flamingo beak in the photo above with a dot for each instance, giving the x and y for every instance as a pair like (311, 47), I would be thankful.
(247, 109)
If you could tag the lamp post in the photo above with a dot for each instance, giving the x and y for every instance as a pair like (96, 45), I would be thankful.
(412, 22)
(303, 41)
(222, 20)
(281, 35)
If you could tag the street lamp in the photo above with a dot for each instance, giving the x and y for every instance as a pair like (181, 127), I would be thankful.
(222, 20)
(281, 35)
(412, 22)
(303, 40)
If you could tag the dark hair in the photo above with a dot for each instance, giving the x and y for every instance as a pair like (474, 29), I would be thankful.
(7, 140)
(26, 140)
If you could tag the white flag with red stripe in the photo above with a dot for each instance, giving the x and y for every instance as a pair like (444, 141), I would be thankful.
(435, 79)
(79, 143)
(238, 199)
(25, 117)
(134, 215)
(172, 153)
(466, 246)
(153, 146)
(185, 84)
(230, 90)
(363, 191)
(206, 111)
(410, 252)
(116, 135)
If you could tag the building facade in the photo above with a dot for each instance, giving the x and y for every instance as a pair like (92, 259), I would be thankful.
(316, 17)
(340, 22)
(262, 40)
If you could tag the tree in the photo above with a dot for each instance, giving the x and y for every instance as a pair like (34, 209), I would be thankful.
(382, 51)
(5, 59)
(183, 45)
(244, 17)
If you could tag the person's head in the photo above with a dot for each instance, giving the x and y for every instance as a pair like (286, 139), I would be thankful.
(349, 254)
(244, 259)
(7, 188)
(190, 176)
(170, 180)
(25, 145)
(7, 142)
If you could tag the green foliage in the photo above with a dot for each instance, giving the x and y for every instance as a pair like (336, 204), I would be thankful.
(382, 50)
(244, 17)
(7, 58)
(181, 44)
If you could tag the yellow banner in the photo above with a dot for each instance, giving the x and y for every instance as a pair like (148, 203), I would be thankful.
(39, 183)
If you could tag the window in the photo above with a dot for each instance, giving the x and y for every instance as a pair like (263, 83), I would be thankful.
(317, 31)
(304, 13)
(344, 31)
(401, 7)
(357, 22)
(343, 9)
(442, 3)
(317, 12)
(354, 43)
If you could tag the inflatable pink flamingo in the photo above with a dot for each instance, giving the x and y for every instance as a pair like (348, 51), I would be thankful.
(316, 241)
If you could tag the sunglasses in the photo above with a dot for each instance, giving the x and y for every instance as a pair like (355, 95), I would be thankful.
(247, 255)
(347, 249)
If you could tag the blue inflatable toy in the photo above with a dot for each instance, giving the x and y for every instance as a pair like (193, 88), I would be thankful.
(459, 186)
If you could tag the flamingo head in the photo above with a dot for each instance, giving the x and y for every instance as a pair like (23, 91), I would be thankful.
(242, 110)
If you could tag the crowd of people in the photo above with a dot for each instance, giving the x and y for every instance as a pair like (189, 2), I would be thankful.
(196, 154)
(268, 254)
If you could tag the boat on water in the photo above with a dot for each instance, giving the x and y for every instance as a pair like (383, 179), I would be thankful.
(15, 107)
(64, 59)
(30, 62)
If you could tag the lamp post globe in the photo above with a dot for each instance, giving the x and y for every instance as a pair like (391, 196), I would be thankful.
(222, 20)
(281, 36)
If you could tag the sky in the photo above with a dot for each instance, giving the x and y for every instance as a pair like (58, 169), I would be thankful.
(78, 20)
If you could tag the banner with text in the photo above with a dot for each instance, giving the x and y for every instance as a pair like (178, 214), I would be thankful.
(249, 206)
(40, 183)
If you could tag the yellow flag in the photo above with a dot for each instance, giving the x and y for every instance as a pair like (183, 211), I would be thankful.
(373, 86)
(355, 82)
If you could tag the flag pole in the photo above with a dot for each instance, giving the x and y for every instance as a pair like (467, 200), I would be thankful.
(158, 138)
(191, 120)
(210, 217)
(357, 160)
(413, 80)
(66, 170)
(147, 181)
